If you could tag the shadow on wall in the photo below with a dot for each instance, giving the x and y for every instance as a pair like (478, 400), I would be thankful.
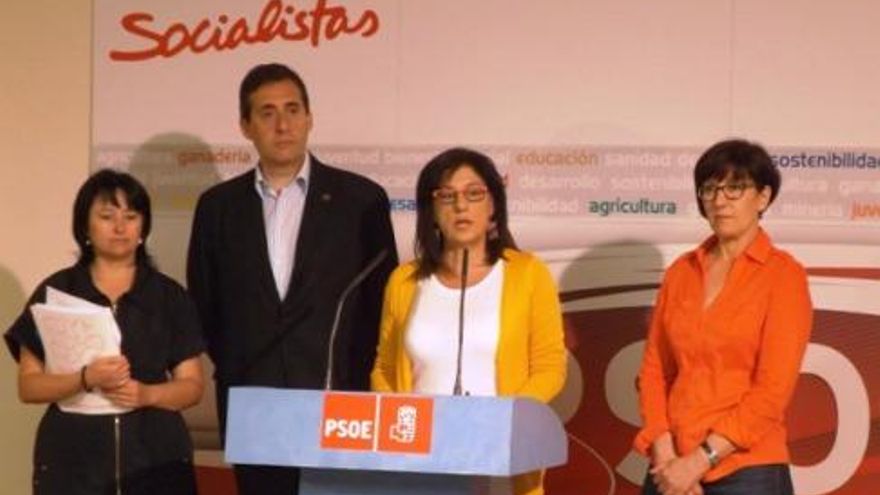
(607, 292)
(12, 298)
(176, 168)
(19, 420)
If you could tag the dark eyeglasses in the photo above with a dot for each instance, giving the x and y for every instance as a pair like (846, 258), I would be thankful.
(734, 190)
(448, 195)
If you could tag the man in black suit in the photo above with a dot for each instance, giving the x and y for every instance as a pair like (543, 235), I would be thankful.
(270, 254)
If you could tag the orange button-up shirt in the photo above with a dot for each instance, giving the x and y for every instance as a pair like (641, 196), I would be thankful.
(730, 368)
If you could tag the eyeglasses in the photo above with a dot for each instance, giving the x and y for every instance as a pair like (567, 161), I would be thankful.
(448, 195)
(734, 190)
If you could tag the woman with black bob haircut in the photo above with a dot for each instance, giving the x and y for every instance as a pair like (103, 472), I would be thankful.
(513, 343)
(726, 340)
(114, 425)
(747, 163)
(109, 186)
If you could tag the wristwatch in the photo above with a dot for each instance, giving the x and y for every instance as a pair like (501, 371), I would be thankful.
(711, 454)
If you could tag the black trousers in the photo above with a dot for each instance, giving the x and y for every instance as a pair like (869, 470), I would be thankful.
(266, 480)
(772, 479)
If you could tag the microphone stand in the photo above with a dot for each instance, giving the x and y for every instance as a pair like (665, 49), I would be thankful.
(328, 378)
(456, 390)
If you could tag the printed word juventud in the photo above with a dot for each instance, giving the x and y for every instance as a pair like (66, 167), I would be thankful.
(277, 21)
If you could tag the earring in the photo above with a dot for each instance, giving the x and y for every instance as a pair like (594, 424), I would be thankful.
(88, 242)
(141, 240)
(492, 234)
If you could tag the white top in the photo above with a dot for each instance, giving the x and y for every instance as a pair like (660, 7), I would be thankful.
(432, 337)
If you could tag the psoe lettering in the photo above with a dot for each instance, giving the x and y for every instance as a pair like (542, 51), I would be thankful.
(358, 429)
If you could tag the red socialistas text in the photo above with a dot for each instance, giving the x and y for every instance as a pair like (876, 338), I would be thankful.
(277, 21)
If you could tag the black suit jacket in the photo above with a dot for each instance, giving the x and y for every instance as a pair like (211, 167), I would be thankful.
(254, 337)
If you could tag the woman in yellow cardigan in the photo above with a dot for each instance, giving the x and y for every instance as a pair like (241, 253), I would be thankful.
(513, 339)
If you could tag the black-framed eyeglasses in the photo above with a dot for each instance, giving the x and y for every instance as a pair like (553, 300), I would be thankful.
(448, 195)
(733, 190)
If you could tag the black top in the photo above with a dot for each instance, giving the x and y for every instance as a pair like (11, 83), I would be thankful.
(76, 453)
(254, 336)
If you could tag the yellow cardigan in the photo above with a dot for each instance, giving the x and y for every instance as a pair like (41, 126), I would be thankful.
(530, 361)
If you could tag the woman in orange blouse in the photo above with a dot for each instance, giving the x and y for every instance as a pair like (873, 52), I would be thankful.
(724, 349)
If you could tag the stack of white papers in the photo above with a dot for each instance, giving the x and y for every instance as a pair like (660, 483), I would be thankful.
(74, 332)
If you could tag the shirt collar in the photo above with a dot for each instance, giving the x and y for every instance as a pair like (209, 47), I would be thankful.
(301, 180)
(82, 276)
(758, 250)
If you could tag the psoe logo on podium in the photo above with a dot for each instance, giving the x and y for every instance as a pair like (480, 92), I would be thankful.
(385, 423)
(348, 422)
(405, 424)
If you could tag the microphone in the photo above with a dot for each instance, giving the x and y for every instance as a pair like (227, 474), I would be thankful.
(456, 390)
(328, 378)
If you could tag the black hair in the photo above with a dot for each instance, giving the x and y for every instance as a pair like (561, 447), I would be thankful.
(429, 243)
(104, 185)
(264, 74)
(742, 160)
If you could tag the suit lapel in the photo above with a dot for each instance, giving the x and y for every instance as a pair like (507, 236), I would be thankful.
(312, 230)
(255, 235)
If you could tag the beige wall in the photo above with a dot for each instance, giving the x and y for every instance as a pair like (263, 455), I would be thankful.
(44, 137)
